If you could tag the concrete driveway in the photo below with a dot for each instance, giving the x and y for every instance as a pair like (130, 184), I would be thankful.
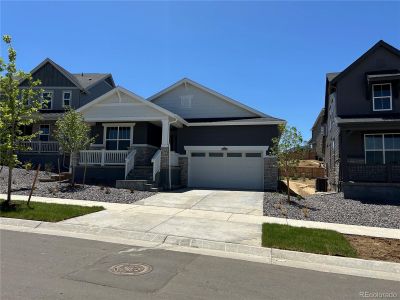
(225, 216)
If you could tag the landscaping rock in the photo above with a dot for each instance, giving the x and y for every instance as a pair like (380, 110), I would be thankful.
(333, 208)
(22, 181)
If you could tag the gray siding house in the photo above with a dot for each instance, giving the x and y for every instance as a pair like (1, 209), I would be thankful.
(185, 135)
(317, 141)
(362, 120)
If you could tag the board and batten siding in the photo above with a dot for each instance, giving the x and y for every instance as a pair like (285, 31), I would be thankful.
(203, 104)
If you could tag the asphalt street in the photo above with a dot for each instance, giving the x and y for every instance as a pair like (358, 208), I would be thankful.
(35, 266)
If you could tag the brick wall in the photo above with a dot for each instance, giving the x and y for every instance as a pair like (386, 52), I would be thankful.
(183, 163)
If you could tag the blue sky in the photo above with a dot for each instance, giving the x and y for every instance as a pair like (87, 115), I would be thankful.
(269, 55)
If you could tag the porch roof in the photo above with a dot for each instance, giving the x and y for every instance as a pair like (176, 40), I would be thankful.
(121, 105)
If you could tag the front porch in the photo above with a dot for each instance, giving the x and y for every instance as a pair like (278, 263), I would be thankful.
(132, 136)
(370, 162)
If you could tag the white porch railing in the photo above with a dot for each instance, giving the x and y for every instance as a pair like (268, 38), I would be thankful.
(103, 157)
(156, 161)
(174, 159)
(40, 146)
(130, 162)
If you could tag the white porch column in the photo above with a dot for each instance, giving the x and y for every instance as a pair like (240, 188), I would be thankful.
(165, 133)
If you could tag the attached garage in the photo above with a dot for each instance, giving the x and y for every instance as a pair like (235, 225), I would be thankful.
(226, 167)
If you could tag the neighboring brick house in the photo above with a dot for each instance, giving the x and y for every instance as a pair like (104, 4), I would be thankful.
(317, 141)
(362, 120)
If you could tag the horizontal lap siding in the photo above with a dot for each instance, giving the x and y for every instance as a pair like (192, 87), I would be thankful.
(259, 135)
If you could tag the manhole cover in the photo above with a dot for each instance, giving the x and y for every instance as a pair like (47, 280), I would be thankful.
(131, 269)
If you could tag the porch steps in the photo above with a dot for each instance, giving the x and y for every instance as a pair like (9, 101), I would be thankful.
(141, 173)
(138, 184)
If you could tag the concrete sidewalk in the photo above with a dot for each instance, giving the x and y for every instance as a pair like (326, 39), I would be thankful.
(199, 214)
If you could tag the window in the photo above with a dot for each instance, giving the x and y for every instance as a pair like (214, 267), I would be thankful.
(67, 96)
(118, 138)
(253, 154)
(44, 132)
(48, 98)
(382, 148)
(215, 154)
(382, 96)
(233, 154)
(198, 154)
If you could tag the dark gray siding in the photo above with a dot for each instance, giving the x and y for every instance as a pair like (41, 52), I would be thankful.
(143, 133)
(245, 135)
(317, 139)
(50, 76)
(353, 95)
(94, 92)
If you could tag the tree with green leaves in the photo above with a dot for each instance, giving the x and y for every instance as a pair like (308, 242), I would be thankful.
(287, 149)
(73, 135)
(18, 109)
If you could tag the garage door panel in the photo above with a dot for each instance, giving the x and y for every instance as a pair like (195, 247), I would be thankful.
(226, 172)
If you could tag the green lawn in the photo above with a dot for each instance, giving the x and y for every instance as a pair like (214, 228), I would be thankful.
(49, 212)
(302, 239)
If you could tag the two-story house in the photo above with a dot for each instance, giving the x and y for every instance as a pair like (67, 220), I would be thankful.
(317, 141)
(362, 121)
(61, 89)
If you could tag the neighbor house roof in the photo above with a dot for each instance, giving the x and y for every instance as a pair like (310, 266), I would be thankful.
(208, 90)
(86, 80)
(379, 44)
(331, 76)
(320, 115)
(83, 81)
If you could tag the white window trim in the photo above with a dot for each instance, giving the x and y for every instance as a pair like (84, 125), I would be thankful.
(383, 149)
(106, 125)
(48, 134)
(52, 98)
(63, 99)
(373, 97)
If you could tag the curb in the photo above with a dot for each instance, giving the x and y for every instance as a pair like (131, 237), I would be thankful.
(311, 261)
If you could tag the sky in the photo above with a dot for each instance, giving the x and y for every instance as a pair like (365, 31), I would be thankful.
(272, 56)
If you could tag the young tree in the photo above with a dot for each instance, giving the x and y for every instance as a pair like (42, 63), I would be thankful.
(73, 135)
(18, 108)
(287, 148)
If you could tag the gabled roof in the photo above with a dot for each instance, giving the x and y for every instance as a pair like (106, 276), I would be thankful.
(136, 97)
(208, 90)
(87, 80)
(83, 81)
(379, 44)
(332, 75)
(320, 115)
(61, 70)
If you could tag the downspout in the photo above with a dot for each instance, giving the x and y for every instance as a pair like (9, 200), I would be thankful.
(169, 156)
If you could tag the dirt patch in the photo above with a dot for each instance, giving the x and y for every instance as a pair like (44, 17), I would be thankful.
(375, 248)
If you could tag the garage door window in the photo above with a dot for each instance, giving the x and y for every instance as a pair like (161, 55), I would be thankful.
(253, 154)
(234, 154)
(215, 154)
(198, 154)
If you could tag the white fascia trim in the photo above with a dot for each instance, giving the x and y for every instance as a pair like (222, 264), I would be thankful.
(118, 124)
(229, 148)
(123, 119)
(229, 123)
(208, 90)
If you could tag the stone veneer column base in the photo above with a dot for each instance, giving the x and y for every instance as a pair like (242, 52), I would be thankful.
(164, 168)
(270, 173)
(183, 164)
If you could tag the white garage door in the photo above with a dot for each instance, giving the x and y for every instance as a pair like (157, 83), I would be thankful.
(226, 169)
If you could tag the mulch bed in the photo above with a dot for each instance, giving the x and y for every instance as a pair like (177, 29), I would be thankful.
(22, 182)
(375, 248)
(333, 208)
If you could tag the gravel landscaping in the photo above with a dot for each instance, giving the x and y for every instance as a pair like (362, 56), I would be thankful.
(333, 208)
(22, 181)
